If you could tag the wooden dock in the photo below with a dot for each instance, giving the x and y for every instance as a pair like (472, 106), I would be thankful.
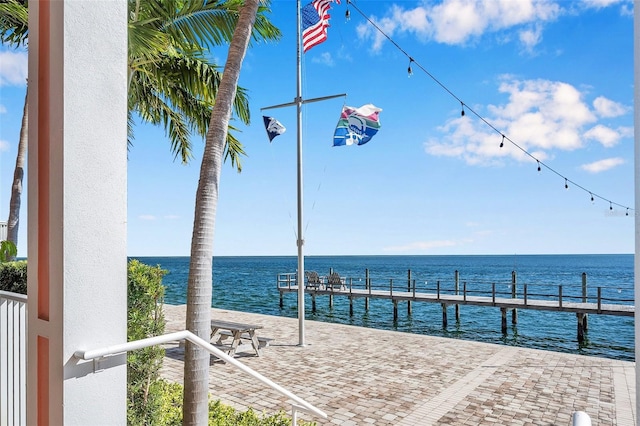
(456, 295)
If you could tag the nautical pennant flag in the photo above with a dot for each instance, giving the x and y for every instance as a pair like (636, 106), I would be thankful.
(357, 125)
(273, 126)
(315, 20)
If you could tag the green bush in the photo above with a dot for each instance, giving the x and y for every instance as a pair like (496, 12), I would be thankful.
(224, 415)
(13, 276)
(145, 319)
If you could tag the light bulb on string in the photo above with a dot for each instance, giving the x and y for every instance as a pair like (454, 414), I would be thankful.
(610, 206)
(347, 14)
(566, 184)
(627, 213)
(409, 70)
(502, 142)
(591, 197)
(462, 112)
(538, 165)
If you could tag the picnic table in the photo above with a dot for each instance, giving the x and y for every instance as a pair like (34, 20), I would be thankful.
(241, 336)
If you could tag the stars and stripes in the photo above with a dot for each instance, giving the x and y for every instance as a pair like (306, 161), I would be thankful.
(315, 21)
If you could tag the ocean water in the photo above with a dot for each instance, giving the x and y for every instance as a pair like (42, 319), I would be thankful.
(249, 284)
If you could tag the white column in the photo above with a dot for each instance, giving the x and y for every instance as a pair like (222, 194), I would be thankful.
(77, 182)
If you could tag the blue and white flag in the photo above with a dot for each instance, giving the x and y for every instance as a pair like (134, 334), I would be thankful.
(357, 125)
(273, 126)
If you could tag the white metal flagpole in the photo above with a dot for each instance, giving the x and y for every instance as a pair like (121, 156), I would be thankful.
(298, 102)
(300, 241)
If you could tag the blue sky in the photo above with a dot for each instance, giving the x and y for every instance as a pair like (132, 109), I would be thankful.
(555, 77)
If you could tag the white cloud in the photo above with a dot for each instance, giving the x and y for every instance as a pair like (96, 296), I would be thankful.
(539, 116)
(607, 108)
(459, 21)
(604, 135)
(13, 68)
(325, 58)
(600, 4)
(602, 165)
(4, 146)
(531, 37)
(3, 109)
(147, 217)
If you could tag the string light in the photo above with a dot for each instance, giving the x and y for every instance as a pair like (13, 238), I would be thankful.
(347, 14)
(627, 213)
(485, 121)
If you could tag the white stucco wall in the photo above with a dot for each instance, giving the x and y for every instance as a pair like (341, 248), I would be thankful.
(87, 186)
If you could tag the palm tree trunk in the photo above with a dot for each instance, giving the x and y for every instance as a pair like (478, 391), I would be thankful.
(199, 290)
(18, 175)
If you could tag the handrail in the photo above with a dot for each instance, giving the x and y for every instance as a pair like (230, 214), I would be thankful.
(16, 297)
(187, 335)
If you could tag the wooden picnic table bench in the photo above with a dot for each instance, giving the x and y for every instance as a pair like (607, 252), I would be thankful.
(238, 332)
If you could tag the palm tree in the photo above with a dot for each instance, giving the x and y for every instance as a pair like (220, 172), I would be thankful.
(14, 30)
(171, 83)
(170, 80)
(199, 290)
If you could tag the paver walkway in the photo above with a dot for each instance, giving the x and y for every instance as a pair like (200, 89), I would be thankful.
(363, 376)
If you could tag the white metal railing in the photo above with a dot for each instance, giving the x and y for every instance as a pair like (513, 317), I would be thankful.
(13, 358)
(580, 418)
(300, 404)
(3, 231)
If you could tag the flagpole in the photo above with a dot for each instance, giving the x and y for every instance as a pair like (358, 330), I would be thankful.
(300, 241)
(298, 102)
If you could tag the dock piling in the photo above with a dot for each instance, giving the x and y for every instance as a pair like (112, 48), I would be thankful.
(367, 283)
(503, 312)
(408, 290)
(514, 311)
(584, 300)
(444, 315)
(581, 317)
(456, 278)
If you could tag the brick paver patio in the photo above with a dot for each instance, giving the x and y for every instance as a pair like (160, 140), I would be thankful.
(363, 376)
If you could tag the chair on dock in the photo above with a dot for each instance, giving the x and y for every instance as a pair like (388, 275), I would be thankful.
(335, 282)
(313, 280)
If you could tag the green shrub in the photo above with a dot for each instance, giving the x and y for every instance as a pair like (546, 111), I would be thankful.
(13, 276)
(145, 319)
(224, 415)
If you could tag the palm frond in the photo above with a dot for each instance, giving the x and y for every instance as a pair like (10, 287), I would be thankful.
(14, 22)
(234, 149)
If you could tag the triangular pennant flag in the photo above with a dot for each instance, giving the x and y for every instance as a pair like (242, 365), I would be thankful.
(357, 125)
(273, 126)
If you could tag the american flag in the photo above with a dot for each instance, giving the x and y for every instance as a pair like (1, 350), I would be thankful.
(315, 20)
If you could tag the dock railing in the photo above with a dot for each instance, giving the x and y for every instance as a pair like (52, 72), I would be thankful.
(507, 295)
(506, 289)
(13, 358)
